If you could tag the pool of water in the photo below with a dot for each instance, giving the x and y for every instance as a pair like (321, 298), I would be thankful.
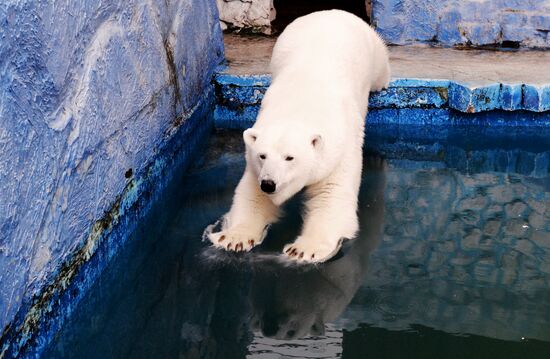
(452, 261)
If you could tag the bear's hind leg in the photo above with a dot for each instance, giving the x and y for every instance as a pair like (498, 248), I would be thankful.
(250, 213)
(383, 79)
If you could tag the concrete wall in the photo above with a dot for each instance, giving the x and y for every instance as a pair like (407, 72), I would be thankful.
(88, 91)
(464, 22)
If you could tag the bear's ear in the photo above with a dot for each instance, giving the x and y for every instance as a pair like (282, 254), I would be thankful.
(250, 136)
(317, 141)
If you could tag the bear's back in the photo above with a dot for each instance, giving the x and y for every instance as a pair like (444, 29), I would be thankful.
(329, 51)
(327, 38)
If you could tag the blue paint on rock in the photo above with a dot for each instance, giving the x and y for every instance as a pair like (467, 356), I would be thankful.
(235, 118)
(536, 98)
(463, 22)
(448, 29)
(29, 336)
(239, 99)
(405, 102)
(471, 100)
(414, 82)
(408, 116)
(511, 97)
(243, 80)
(409, 97)
(87, 91)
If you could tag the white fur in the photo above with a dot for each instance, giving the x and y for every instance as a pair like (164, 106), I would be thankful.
(323, 67)
(319, 296)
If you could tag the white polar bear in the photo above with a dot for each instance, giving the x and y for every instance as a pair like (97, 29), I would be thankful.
(309, 133)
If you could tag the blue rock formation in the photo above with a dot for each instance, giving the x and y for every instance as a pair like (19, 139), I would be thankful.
(89, 93)
(464, 22)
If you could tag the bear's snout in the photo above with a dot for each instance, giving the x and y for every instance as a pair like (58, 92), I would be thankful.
(268, 186)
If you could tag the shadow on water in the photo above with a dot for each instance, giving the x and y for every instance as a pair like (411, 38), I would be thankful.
(410, 285)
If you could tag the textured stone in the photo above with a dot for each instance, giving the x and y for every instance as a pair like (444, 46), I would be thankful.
(545, 267)
(541, 239)
(542, 165)
(516, 227)
(462, 260)
(525, 246)
(463, 22)
(541, 22)
(88, 92)
(536, 220)
(485, 272)
(491, 228)
(475, 204)
(470, 217)
(511, 97)
(494, 210)
(482, 33)
(536, 98)
(445, 246)
(538, 206)
(515, 209)
(471, 240)
(501, 194)
(508, 276)
(510, 260)
(408, 97)
(449, 30)
(255, 15)
(470, 100)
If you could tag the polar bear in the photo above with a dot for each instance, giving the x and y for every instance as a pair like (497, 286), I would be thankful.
(319, 295)
(309, 134)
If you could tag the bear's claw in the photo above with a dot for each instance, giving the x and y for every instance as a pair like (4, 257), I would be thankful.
(306, 251)
(233, 241)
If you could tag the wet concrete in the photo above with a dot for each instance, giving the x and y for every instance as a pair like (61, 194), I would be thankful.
(250, 56)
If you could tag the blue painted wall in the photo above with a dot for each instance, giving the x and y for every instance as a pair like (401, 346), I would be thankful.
(88, 91)
(464, 22)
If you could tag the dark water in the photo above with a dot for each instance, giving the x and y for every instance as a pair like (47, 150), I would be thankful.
(452, 261)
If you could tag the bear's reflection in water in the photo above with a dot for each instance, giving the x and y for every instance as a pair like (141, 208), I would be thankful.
(172, 297)
(288, 301)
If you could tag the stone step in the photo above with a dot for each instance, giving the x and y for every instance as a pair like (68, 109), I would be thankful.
(466, 81)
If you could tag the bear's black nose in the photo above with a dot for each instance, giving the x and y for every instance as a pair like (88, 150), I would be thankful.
(268, 186)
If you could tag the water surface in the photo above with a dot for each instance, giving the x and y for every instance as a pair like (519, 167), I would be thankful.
(452, 261)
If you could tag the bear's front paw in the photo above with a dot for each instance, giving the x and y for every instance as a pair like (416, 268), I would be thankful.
(312, 250)
(234, 240)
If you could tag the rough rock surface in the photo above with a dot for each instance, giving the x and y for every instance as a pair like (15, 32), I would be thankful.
(251, 14)
(464, 22)
(87, 90)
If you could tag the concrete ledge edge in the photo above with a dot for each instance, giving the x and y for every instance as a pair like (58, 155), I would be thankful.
(408, 93)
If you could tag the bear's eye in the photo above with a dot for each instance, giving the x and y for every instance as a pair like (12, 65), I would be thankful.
(289, 158)
(262, 156)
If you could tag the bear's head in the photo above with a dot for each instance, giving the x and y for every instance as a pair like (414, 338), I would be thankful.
(284, 161)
